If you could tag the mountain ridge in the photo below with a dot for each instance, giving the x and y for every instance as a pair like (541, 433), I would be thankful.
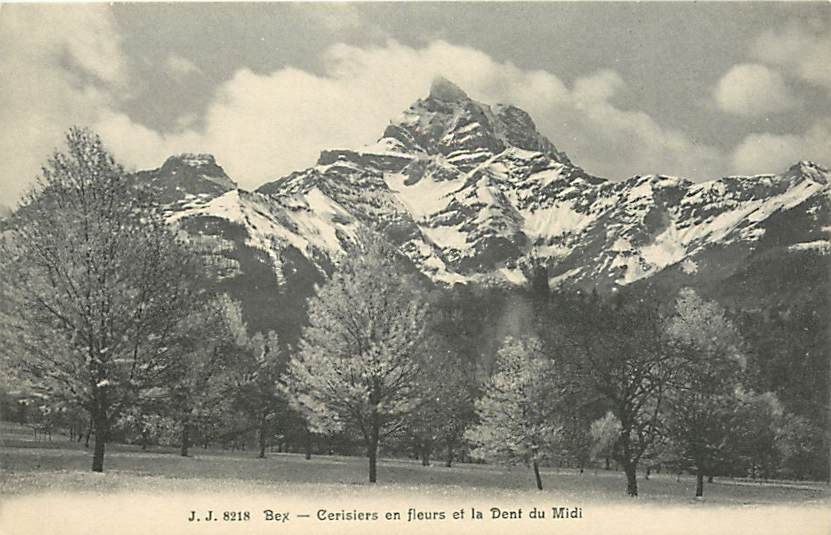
(472, 193)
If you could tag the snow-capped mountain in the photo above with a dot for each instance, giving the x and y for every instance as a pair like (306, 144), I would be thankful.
(469, 192)
(188, 178)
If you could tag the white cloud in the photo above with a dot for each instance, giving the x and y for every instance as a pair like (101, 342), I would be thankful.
(139, 147)
(752, 89)
(262, 126)
(766, 152)
(334, 17)
(802, 49)
(83, 35)
(599, 87)
(59, 66)
(179, 67)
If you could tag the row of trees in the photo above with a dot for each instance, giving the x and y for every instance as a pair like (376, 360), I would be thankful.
(110, 327)
(108, 318)
(641, 382)
(108, 321)
(672, 382)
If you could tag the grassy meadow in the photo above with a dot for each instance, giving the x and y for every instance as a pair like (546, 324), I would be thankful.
(42, 479)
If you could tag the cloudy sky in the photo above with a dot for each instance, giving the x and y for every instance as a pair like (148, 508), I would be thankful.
(698, 90)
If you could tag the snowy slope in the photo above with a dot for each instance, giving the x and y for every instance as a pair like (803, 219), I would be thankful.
(470, 192)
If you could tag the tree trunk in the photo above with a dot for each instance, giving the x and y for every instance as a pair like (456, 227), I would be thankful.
(607, 463)
(630, 469)
(373, 449)
(425, 454)
(710, 478)
(373, 452)
(261, 455)
(100, 441)
(89, 432)
(646, 474)
(262, 438)
(98, 453)
(537, 474)
(308, 444)
(449, 462)
(185, 439)
(699, 483)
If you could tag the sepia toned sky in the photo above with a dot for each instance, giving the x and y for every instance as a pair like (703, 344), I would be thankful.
(699, 90)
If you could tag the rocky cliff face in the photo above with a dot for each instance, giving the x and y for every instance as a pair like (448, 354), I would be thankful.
(471, 192)
(187, 178)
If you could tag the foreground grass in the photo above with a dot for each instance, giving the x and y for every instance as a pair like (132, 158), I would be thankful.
(41, 466)
(47, 487)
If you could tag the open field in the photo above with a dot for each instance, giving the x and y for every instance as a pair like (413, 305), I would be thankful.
(42, 479)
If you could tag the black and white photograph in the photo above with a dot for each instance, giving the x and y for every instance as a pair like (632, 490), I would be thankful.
(415, 267)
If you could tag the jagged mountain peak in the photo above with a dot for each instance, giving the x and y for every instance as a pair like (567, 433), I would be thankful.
(466, 132)
(188, 176)
(443, 89)
(808, 169)
(203, 163)
(193, 159)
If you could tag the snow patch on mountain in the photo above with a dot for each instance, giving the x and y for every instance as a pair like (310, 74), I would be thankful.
(558, 280)
(665, 250)
(311, 223)
(451, 237)
(554, 221)
(514, 276)
(424, 198)
(689, 267)
(822, 246)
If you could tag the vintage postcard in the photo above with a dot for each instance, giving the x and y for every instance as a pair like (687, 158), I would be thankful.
(415, 267)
